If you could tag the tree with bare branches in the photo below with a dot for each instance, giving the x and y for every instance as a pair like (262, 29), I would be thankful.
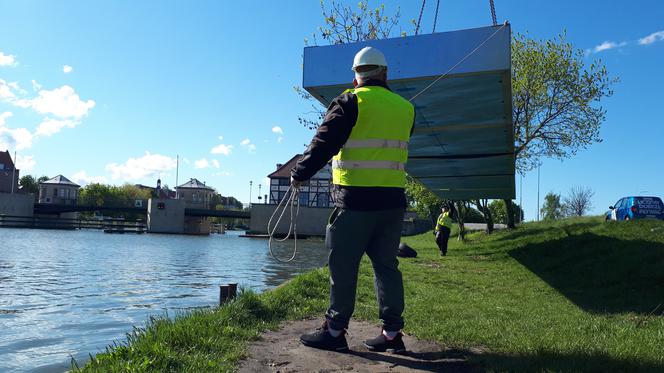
(345, 24)
(578, 202)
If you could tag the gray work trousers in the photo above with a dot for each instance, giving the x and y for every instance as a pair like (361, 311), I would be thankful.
(350, 234)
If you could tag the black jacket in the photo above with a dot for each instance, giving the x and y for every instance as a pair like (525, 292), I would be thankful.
(330, 137)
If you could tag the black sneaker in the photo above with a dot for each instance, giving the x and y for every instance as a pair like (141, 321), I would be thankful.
(323, 340)
(382, 344)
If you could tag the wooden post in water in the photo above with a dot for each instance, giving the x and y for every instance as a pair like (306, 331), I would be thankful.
(227, 292)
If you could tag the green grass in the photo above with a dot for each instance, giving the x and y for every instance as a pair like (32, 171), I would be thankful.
(573, 295)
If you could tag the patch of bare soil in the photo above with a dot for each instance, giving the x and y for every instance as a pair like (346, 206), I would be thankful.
(281, 351)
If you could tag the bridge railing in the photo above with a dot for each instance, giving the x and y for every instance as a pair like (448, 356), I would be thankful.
(39, 222)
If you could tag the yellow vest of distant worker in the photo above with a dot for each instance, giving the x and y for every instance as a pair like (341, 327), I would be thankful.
(376, 152)
(444, 220)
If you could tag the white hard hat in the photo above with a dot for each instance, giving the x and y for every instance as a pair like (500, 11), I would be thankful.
(369, 56)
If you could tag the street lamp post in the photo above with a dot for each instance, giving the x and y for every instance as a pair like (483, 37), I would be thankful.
(250, 184)
(538, 190)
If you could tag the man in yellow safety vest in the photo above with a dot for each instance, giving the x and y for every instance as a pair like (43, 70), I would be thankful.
(365, 132)
(443, 229)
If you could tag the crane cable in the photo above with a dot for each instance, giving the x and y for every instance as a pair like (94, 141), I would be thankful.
(493, 13)
(417, 28)
(435, 18)
(292, 199)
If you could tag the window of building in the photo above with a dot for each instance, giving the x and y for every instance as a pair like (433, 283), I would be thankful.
(322, 200)
(284, 181)
(55, 192)
(63, 193)
(2, 166)
(304, 198)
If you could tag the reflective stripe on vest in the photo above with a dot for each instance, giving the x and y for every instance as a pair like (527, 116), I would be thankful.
(376, 165)
(376, 151)
(376, 143)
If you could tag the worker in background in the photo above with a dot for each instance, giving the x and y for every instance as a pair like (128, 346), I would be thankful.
(443, 229)
(365, 132)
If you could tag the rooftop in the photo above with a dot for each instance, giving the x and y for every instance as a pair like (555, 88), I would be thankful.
(194, 184)
(6, 160)
(284, 170)
(60, 180)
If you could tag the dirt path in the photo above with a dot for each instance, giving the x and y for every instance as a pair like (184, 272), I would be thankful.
(280, 351)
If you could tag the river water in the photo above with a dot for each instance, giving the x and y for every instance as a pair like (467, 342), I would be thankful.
(69, 294)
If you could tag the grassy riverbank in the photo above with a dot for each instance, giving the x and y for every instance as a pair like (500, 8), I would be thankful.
(578, 294)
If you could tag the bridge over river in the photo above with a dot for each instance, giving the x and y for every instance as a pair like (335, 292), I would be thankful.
(53, 209)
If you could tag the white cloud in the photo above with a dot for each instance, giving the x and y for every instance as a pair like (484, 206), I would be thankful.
(18, 138)
(186, 160)
(215, 163)
(247, 144)
(50, 126)
(221, 137)
(201, 163)
(6, 91)
(606, 46)
(222, 149)
(138, 168)
(82, 178)
(222, 173)
(62, 102)
(279, 131)
(655, 36)
(7, 60)
(4, 116)
(25, 163)
(67, 69)
(36, 86)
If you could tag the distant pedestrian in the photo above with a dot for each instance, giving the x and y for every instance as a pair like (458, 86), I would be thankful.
(443, 229)
(366, 132)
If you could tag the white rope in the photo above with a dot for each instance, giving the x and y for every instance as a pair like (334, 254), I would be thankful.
(458, 63)
(292, 198)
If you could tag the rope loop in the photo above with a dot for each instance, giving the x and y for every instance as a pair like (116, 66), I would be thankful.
(292, 199)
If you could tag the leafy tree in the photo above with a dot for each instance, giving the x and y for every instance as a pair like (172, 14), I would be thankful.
(422, 200)
(499, 212)
(578, 202)
(552, 208)
(111, 195)
(30, 184)
(555, 100)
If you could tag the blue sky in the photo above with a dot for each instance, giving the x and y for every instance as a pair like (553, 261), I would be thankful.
(113, 91)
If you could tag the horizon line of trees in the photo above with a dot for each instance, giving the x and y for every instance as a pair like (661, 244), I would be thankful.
(576, 203)
(99, 194)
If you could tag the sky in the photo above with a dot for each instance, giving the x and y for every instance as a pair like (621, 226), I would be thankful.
(117, 92)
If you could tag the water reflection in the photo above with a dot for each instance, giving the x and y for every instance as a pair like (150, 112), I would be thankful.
(72, 293)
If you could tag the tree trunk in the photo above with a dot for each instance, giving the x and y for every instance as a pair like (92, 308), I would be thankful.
(509, 212)
(460, 212)
(483, 207)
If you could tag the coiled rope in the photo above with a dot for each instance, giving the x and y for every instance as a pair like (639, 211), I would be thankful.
(292, 199)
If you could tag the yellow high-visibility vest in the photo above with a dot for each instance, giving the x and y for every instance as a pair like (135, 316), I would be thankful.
(376, 152)
(444, 220)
